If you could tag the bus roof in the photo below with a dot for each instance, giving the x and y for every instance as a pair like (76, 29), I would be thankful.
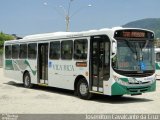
(66, 34)
(63, 35)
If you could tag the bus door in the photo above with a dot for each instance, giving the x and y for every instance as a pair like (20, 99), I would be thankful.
(100, 62)
(43, 63)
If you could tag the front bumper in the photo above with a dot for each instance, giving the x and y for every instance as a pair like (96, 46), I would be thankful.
(118, 89)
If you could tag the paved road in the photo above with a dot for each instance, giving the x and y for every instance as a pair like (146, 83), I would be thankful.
(16, 99)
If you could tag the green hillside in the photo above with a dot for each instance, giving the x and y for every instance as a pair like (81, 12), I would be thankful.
(149, 23)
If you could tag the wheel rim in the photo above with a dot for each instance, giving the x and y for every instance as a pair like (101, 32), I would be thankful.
(83, 89)
(26, 81)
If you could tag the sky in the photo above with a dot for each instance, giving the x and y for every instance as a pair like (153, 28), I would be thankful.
(25, 17)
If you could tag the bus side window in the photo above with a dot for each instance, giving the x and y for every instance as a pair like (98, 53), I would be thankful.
(67, 49)
(8, 52)
(80, 49)
(54, 50)
(15, 51)
(158, 57)
(32, 50)
(23, 51)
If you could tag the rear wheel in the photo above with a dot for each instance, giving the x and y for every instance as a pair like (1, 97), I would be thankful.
(83, 90)
(27, 80)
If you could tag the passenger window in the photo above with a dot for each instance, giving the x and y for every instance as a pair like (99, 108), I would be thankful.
(80, 49)
(55, 50)
(32, 51)
(8, 52)
(157, 57)
(15, 51)
(67, 49)
(23, 51)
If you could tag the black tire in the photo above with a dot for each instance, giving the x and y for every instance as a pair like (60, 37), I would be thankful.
(83, 90)
(27, 80)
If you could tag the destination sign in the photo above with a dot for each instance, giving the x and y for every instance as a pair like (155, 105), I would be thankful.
(133, 34)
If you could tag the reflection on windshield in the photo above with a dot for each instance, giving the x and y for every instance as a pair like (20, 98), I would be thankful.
(134, 56)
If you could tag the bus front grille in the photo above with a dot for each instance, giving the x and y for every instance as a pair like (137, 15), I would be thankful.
(138, 90)
(139, 83)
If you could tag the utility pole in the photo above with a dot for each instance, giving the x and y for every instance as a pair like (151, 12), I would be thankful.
(67, 13)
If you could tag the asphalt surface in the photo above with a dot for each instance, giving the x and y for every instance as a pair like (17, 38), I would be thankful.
(14, 98)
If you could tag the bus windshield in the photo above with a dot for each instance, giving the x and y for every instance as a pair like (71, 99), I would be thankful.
(134, 55)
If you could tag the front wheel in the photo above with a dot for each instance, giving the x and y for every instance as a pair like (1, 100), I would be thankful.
(27, 80)
(83, 90)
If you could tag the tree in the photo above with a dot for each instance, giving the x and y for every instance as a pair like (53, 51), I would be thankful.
(4, 37)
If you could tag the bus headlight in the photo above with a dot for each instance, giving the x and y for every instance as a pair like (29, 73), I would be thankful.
(119, 81)
(133, 81)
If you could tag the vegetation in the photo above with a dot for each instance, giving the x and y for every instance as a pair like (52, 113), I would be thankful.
(4, 37)
(149, 23)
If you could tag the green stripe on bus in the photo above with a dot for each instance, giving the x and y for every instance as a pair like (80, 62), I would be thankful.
(124, 79)
(33, 71)
(157, 66)
(9, 65)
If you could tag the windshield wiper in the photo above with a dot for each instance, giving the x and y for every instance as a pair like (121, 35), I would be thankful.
(131, 48)
(137, 49)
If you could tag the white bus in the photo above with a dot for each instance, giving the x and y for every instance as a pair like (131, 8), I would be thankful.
(112, 62)
(157, 62)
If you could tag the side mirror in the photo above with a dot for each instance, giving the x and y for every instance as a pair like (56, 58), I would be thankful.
(114, 47)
